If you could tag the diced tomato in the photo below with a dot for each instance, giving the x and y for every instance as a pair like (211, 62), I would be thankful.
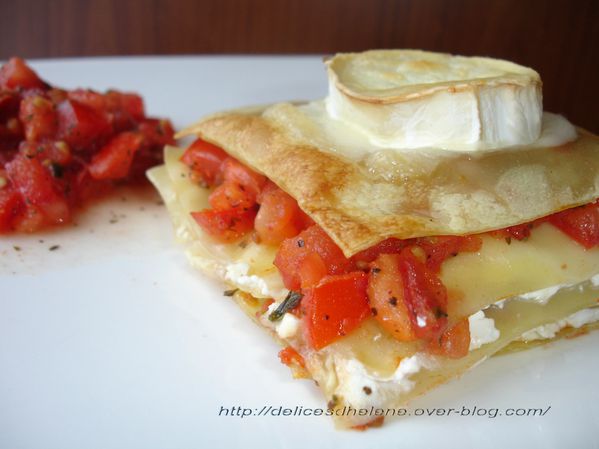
(235, 171)
(114, 159)
(89, 98)
(36, 185)
(81, 126)
(424, 294)
(205, 160)
(311, 270)
(335, 307)
(518, 232)
(290, 357)
(11, 205)
(47, 152)
(15, 74)
(38, 116)
(230, 195)
(388, 246)
(157, 132)
(580, 223)
(454, 342)
(439, 249)
(292, 252)
(279, 216)
(387, 298)
(226, 225)
(129, 103)
(9, 105)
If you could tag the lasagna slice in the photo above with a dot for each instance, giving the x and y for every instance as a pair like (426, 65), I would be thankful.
(388, 262)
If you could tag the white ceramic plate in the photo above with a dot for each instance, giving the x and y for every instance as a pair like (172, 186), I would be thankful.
(111, 341)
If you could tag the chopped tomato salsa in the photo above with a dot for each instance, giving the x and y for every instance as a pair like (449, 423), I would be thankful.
(396, 281)
(59, 148)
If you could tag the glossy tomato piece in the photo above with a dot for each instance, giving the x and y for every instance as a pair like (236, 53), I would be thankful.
(391, 245)
(230, 195)
(11, 206)
(335, 307)
(157, 132)
(114, 159)
(292, 252)
(128, 103)
(579, 223)
(279, 217)
(34, 182)
(439, 249)
(311, 270)
(205, 160)
(454, 342)
(9, 105)
(81, 126)
(226, 225)
(424, 294)
(387, 298)
(39, 119)
(15, 74)
(518, 232)
(47, 152)
(234, 171)
(89, 98)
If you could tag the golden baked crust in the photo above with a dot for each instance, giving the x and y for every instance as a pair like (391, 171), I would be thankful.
(361, 201)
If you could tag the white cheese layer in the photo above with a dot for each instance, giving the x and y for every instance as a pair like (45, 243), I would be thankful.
(482, 330)
(576, 320)
(407, 99)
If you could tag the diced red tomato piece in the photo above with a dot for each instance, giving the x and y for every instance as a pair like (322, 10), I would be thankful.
(226, 225)
(454, 342)
(290, 357)
(205, 160)
(81, 126)
(36, 185)
(518, 232)
(439, 249)
(38, 116)
(387, 298)
(114, 159)
(15, 74)
(230, 195)
(580, 223)
(335, 307)
(292, 252)
(89, 98)
(235, 171)
(388, 246)
(9, 105)
(279, 216)
(157, 132)
(46, 152)
(129, 103)
(311, 270)
(11, 205)
(424, 294)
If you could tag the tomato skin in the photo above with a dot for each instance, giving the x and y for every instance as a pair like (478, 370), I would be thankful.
(289, 356)
(114, 159)
(38, 117)
(49, 151)
(38, 189)
(279, 216)
(335, 307)
(157, 132)
(425, 296)
(387, 298)
(579, 223)
(518, 232)
(226, 225)
(439, 249)
(81, 126)
(311, 270)
(235, 171)
(313, 239)
(11, 205)
(454, 342)
(205, 161)
(230, 195)
(391, 245)
(15, 74)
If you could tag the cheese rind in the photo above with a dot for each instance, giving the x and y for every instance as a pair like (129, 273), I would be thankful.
(414, 99)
